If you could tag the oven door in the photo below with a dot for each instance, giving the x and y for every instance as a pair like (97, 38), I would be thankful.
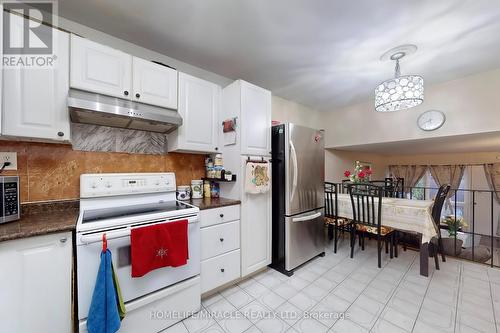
(88, 259)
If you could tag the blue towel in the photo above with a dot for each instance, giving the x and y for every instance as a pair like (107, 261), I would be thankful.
(103, 314)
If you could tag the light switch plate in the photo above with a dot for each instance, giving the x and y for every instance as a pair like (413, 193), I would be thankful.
(8, 157)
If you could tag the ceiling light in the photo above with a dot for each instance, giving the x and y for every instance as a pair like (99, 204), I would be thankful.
(402, 92)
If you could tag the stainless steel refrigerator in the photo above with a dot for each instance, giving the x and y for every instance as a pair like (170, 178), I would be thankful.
(298, 176)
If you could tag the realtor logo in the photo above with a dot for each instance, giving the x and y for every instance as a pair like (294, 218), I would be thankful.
(28, 38)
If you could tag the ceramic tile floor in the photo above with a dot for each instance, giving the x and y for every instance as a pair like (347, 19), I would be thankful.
(338, 294)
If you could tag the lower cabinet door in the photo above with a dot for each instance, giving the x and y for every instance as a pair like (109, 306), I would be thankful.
(220, 270)
(35, 284)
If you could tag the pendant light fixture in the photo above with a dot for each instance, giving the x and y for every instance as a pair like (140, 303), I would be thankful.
(402, 92)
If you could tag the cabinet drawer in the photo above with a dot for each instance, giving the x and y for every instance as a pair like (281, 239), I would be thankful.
(220, 270)
(219, 215)
(219, 239)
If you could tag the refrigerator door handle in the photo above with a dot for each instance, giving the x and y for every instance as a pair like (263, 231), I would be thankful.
(295, 169)
(306, 218)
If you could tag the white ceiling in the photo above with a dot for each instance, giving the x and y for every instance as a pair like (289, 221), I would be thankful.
(483, 142)
(322, 53)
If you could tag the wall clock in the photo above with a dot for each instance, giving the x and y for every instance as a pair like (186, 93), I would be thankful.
(431, 120)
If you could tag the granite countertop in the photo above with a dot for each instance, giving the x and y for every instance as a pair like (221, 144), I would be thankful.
(41, 219)
(208, 203)
(59, 216)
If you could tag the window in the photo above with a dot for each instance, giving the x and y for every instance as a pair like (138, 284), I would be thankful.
(426, 188)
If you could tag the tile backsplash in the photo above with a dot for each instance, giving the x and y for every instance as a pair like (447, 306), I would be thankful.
(52, 171)
(110, 139)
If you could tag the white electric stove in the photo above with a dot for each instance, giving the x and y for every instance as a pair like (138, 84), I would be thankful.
(114, 204)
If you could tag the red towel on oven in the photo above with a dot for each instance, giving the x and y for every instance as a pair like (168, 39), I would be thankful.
(157, 246)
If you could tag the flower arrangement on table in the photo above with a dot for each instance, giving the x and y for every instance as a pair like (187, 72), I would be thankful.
(361, 174)
(454, 224)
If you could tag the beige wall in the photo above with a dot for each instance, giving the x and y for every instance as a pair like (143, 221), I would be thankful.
(337, 161)
(458, 158)
(288, 111)
(470, 104)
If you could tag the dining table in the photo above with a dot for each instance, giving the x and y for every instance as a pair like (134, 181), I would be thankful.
(413, 216)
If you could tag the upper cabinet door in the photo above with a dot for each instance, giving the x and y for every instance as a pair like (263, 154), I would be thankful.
(154, 84)
(198, 106)
(255, 120)
(101, 69)
(34, 100)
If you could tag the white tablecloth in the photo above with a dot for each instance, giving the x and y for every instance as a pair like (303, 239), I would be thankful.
(401, 214)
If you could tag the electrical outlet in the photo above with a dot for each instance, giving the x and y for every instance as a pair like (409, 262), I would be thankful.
(8, 157)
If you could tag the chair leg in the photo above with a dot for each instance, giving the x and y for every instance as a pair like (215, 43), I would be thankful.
(353, 241)
(330, 231)
(391, 246)
(386, 246)
(396, 236)
(436, 259)
(362, 241)
(335, 238)
(441, 249)
(379, 252)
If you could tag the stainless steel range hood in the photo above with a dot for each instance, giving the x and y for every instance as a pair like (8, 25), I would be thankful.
(92, 108)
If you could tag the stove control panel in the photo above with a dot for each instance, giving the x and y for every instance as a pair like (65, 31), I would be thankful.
(113, 184)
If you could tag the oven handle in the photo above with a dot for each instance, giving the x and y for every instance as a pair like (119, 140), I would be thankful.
(97, 237)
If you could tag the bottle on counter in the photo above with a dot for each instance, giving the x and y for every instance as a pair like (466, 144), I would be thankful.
(214, 190)
(206, 189)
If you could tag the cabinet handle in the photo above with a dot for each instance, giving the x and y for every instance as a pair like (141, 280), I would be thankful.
(63, 240)
(60, 134)
(137, 95)
(221, 215)
(221, 239)
(125, 93)
(216, 148)
(222, 270)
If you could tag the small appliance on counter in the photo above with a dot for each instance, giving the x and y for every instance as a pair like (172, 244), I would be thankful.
(9, 199)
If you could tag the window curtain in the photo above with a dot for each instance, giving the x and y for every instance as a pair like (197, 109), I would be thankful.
(410, 173)
(492, 172)
(448, 174)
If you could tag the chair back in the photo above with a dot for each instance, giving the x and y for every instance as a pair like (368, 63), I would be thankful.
(366, 200)
(331, 203)
(438, 203)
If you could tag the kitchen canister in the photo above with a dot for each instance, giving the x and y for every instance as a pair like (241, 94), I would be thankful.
(197, 189)
(183, 193)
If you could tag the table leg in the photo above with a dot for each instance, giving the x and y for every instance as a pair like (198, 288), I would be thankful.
(424, 259)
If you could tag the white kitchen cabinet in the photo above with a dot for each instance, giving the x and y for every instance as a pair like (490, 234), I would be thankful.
(35, 284)
(99, 68)
(104, 70)
(255, 120)
(220, 246)
(199, 102)
(154, 84)
(256, 231)
(34, 99)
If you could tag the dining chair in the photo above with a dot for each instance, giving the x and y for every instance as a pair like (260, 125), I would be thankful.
(437, 208)
(337, 226)
(366, 200)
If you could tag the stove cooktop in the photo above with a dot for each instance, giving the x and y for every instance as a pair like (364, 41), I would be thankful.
(95, 215)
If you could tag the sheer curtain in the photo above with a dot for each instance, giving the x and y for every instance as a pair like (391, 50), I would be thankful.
(410, 173)
(492, 172)
(448, 174)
